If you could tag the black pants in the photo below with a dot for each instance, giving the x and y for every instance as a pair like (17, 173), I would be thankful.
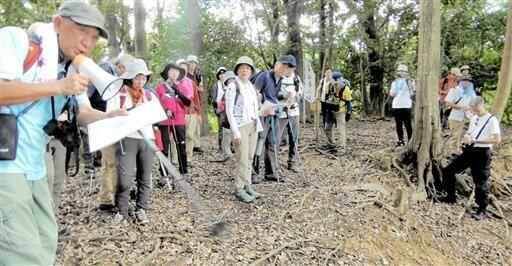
(479, 161)
(403, 117)
(178, 134)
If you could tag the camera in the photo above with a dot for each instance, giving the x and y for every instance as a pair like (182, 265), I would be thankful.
(65, 131)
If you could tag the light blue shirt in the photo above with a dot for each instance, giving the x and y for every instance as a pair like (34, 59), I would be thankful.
(32, 139)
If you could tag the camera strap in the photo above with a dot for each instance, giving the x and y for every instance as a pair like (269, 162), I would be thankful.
(482, 129)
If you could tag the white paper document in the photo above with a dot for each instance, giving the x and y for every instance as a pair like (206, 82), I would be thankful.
(269, 107)
(108, 131)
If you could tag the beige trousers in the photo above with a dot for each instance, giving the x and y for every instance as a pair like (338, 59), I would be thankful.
(456, 131)
(341, 138)
(109, 176)
(244, 153)
(193, 133)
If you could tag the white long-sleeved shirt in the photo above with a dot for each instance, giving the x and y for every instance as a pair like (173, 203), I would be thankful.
(459, 95)
(401, 94)
(245, 110)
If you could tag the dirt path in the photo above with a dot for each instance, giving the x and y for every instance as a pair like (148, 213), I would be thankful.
(334, 220)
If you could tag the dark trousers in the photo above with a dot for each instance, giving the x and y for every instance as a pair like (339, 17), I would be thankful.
(91, 160)
(134, 159)
(271, 142)
(479, 161)
(178, 133)
(219, 133)
(403, 117)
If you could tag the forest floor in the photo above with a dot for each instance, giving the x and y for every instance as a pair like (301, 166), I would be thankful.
(346, 215)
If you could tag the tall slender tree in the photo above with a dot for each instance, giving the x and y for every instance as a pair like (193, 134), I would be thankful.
(294, 9)
(140, 29)
(426, 142)
(193, 12)
(505, 78)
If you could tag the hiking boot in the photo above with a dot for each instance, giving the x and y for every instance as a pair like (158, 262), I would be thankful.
(106, 207)
(449, 199)
(294, 168)
(199, 150)
(339, 152)
(243, 196)
(141, 216)
(163, 181)
(117, 221)
(274, 178)
(400, 143)
(252, 192)
(256, 179)
(479, 215)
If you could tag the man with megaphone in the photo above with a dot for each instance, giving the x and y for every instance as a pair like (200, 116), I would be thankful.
(33, 89)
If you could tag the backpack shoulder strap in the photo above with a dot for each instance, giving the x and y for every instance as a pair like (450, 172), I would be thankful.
(34, 51)
(483, 127)
(122, 96)
(237, 90)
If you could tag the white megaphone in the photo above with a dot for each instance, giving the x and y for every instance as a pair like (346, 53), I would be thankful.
(107, 85)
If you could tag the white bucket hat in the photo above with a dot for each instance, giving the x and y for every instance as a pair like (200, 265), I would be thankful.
(135, 67)
(192, 58)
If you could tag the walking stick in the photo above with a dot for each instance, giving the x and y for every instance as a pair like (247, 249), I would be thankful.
(217, 226)
(294, 139)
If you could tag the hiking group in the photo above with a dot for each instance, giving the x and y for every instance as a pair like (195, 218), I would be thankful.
(40, 96)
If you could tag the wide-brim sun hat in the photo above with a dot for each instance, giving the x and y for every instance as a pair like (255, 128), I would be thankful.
(229, 75)
(182, 61)
(135, 67)
(172, 65)
(192, 58)
(243, 60)
(402, 68)
(83, 14)
(217, 73)
(455, 71)
(464, 67)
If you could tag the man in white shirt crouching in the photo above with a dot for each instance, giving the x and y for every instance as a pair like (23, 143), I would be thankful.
(483, 133)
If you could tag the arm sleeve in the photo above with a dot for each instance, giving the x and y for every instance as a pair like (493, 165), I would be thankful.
(494, 125)
(230, 106)
(14, 42)
(186, 101)
(260, 82)
(450, 97)
(393, 91)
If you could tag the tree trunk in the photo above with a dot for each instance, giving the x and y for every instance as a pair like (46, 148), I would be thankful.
(331, 35)
(505, 78)
(426, 142)
(193, 13)
(140, 29)
(294, 9)
(322, 37)
(109, 9)
(376, 100)
(125, 38)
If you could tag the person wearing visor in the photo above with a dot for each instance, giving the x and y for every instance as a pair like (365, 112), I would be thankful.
(33, 67)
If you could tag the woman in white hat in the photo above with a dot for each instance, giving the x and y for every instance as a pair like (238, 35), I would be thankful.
(134, 158)
(242, 113)
(402, 91)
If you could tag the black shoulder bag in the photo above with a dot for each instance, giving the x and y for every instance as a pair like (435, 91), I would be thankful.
(9, 134)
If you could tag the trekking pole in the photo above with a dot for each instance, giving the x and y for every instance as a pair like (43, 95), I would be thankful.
(294, 139)
(272, 128)
(217, 226)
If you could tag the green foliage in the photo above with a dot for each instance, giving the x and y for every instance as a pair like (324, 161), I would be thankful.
(22, 13)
